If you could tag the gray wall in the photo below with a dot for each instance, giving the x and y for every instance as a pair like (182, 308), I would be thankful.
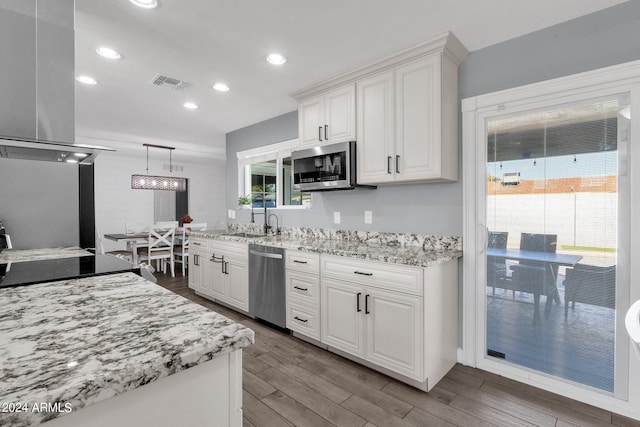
(604, 38)
(416, 208)
(39, 203)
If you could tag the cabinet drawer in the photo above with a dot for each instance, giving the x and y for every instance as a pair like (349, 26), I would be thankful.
(303, 287)
(229, 249)
(303, 261)
(304, 320)
(384, 275)
(198, 244)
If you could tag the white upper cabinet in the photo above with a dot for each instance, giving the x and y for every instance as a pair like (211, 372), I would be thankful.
(328, 118)
(406, 114)
(376, 126)
(407, 123)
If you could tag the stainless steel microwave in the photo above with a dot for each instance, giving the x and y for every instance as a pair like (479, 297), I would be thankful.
(327, 167)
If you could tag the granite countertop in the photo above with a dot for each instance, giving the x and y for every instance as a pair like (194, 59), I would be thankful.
(81, 341)
(440, 250)
(21, 255)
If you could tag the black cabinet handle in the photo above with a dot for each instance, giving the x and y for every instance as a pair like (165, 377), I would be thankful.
(364, 274)
(225, 267)
(197, 244)
(320, 133)
(299, 262)
(300, 289)
(389, 165)
(358, 302)
(366, 304)
(326, 131)
(397, 164)
(300, 320)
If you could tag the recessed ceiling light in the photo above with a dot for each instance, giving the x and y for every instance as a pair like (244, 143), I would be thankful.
(276, 59)
(221, 87)
(107, 52)
(86, 80)
(147, 4)
(190, 105)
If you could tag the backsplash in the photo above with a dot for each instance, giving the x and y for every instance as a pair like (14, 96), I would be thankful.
(369, 237)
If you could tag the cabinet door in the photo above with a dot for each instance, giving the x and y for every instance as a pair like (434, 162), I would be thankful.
(395, 332)
(340, 115)
(418, 132)
(195, 271)
(311, 122)
(217, 280)
(375, 145)
(238, 278)
(341, 320)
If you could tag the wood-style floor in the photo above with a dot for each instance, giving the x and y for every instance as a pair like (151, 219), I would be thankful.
(288, 382)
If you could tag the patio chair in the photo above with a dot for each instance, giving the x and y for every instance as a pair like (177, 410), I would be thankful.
(537, 278)
(590, 284)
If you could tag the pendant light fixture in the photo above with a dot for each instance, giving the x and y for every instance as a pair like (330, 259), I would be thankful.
(154, 182)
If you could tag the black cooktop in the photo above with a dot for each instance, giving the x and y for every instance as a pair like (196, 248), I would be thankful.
(32, 272)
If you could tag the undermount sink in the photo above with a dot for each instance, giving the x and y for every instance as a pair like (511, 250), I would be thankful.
(245, 235)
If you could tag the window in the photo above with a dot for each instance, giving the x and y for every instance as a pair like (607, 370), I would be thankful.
(264, 174)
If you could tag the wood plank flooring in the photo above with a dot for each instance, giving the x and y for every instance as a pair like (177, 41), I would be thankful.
(288, 382)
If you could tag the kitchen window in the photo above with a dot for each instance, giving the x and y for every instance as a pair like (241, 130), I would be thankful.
(264, 174)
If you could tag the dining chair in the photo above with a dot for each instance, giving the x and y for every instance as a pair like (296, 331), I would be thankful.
(99, 247)
(181, 251)
(590, 284)
(537, 278)
(159, 248)
(135, 228)
(496, 267)
(166, 224)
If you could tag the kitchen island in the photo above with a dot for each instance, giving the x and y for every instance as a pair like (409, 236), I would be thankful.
(116, 350)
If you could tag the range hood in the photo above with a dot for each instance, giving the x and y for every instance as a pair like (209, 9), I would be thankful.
(12, 148)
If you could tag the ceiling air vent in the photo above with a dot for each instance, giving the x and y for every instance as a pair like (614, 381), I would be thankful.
(169, 82)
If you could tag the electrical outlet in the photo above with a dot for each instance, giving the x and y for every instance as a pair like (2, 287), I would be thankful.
(336, 217)
(368, 217)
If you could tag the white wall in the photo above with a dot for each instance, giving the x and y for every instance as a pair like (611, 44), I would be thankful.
(578, 219)
(116, 203)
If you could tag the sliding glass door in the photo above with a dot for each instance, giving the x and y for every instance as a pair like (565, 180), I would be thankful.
(553, 218)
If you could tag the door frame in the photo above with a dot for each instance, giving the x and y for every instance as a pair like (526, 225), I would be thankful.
(623, 78)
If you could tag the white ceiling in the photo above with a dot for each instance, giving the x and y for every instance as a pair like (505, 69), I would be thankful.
(206, 41)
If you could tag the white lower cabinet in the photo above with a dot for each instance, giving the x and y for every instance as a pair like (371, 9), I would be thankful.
(380, 326)
(303, 293)
(400, 318)
(197, 266)
(220, 272)
(394, 331)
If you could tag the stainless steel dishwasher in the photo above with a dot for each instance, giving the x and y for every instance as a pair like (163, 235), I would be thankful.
(267, 289)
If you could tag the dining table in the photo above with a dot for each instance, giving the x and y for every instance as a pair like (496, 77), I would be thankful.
(135, 240)
(546, 259)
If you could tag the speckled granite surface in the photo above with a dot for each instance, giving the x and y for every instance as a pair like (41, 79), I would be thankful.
(86, 340)
(20, 255)
(407, 249)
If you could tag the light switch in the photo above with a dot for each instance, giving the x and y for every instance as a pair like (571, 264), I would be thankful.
(231, 214)
(336, 217)
(368, 217)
